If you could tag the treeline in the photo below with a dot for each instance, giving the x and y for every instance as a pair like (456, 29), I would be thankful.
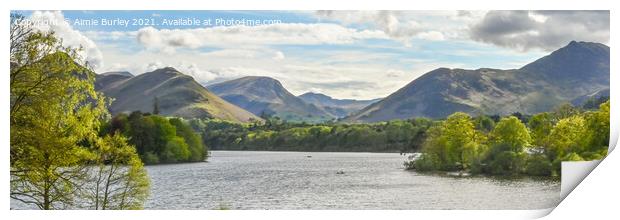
(278, 135)
(511, 147)
(159, 139)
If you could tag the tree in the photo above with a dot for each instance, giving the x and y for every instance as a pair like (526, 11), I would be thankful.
(118, 180)
(53, 107)
(541, 125)
(156, 106)
(55, 113)
(454, 144)
(568, 136)
(508, 140)
(511, 132)
(198, 151)
(597, 131)
(484, 123)
(564, 111)
(462, 139)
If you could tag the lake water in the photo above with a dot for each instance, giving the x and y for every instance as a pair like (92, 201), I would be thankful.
(304, 180)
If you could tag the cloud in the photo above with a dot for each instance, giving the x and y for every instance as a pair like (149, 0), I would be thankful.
(391, 73)
(168, 40)
(55, 21)
(546, 30)
(201, 76)
(278, 55)
(431, 35)
(386, 21)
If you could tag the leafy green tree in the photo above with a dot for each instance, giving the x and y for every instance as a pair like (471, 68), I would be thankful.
(597, 131)
(538, 165)
(463, 141)
(118, 180)
(198, 151)
(508, 141)
(484, 123)
(540, 126)
(452, 145)
(511, 132)
(175, 150)
(49, 116)
(55, 114)
(567, 136)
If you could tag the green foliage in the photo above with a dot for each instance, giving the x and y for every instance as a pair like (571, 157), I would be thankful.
(197, 150)
(175, 150)
(567, 134)
(540, 128)
(484, 123)
(453, 144)
(275, 134)
(119, 180)
(510, 131)
(426, 162)
(159, 139)
(594, 102)
(55, 116)
(538, 165)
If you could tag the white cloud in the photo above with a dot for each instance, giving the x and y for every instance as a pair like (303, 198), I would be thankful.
(386, 21)
(55, 21)
(278, 55)
(168, 40)
(199, 75)
(431, 35)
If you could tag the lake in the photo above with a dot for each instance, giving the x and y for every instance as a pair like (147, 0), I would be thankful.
(310, 180)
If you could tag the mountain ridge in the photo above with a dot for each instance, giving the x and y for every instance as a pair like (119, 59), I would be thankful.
(267, 96)
(572, 71)
(177, 95)
(337, 107)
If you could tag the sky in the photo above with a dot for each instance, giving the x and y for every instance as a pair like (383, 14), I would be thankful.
(343, 54)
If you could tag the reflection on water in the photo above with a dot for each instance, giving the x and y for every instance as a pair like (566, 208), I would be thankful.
(302, 180)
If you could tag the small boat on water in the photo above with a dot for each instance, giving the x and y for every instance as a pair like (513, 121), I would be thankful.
(340, 172)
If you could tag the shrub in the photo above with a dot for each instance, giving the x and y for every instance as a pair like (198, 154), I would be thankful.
(538, 165)
(426, 162)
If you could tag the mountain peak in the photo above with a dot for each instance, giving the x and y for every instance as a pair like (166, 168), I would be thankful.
(265, 95)
(586, 45)
(120, 73)
(163, 73)
(167, 70)
(314, 94)
(577, 69)
(577, 59)
(178, 95)
(259, 79)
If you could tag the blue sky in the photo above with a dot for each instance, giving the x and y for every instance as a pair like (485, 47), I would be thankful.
(344, 54)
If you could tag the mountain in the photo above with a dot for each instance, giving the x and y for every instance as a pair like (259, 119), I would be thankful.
(578, 69)
(177, 95)
(266, 96)
(337, 107)
(601, 94)
(110, 79)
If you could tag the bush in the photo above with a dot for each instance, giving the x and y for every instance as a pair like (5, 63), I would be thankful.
(150, 158)
(538, 165)
(176, 150)
(506, 163)
(426, 162)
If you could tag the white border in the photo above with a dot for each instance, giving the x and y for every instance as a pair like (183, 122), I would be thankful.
(584, 201)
